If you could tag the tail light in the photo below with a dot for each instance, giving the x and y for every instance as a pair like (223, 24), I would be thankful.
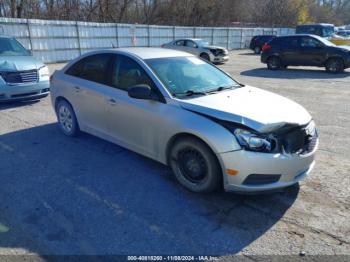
(51, 78)
(162, 45)
(266, 47)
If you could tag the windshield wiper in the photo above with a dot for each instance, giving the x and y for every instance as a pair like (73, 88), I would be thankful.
(221, 88)
(191, 93)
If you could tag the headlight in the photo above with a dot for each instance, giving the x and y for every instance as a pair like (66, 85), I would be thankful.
(251, 141)
(44, 73)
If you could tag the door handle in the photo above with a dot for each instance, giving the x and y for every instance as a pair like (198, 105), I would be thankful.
(77, 89)
(112, 101)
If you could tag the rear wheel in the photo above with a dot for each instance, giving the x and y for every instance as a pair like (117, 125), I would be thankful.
(205, 56)
(334, 65)
(257, 50)
(274, 63)
(66, 119)
(195, 166)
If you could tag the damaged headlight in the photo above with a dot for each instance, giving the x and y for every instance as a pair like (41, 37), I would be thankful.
(251, 141)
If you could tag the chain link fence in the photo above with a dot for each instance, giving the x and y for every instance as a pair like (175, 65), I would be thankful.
(60, 41)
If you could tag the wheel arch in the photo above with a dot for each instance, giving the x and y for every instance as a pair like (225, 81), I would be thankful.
(181, 135)
(335, 57)
(62, 98)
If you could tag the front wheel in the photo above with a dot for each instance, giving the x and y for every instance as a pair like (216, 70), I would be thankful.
(195, 166)
(66, 118)
(334, 65)
(274, 63)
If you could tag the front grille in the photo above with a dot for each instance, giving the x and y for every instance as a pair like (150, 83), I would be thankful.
(220, 52)
(20, 77)
(261, 179)
(298, 141)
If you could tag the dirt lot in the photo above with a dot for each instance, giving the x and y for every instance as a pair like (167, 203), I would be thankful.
(60, 195)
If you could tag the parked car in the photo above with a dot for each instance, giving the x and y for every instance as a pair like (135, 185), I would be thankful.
(305, 50)
(326, 31)
(22, 77)
(182, 111)
(344, 33)
(258, 42)
(201, 48)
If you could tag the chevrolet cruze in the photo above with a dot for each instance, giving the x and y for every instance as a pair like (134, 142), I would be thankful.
(184, 112)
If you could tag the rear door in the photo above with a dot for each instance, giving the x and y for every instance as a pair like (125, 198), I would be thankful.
(312, 51)
(88, 80)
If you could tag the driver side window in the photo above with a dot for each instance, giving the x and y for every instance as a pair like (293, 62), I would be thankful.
(191, 44)
(309, 42)
(128, 73)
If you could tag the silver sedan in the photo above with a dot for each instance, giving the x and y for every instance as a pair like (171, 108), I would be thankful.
(201, 48)
(186, 113)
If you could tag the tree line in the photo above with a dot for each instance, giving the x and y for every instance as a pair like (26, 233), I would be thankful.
(184, 12)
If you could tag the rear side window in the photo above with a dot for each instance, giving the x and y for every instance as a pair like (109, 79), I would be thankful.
(93, 68)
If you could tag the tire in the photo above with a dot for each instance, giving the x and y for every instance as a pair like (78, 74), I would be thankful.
(274, 63)
(334, 65)
(195, 166)
(205, 56)
(67, 120)
(257, 50)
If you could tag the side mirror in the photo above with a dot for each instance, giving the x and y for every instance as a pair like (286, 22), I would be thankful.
(142, 92)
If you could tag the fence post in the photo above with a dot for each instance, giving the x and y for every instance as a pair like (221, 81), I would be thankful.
(117, 34)
(78, 36)
(149, 37)
(228, 38)
(194, 32)
(240, 45)
(212, 35)
(30, 36)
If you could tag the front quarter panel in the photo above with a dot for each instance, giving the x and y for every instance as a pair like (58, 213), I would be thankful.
(181, 121)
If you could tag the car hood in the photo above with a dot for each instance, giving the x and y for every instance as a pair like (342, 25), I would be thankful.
(260, 110)
(19, 63)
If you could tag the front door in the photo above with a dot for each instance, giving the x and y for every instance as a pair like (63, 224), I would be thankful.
(312, 51)
(134, 123)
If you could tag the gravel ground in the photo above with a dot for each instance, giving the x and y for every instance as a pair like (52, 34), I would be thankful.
(83, 195)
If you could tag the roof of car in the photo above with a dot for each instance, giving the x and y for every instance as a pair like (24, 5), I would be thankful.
(152, 52)
(320, 25)
(5, 36)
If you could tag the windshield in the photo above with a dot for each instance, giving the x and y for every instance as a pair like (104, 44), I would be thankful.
(11, 47)
(184, 76)
(201, 42)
